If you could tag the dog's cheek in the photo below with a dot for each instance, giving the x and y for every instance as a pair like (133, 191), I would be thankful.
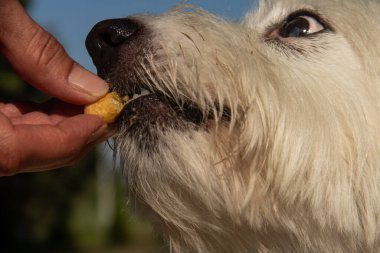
(186, 168)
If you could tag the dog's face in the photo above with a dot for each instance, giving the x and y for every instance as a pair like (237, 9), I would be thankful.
(253, 136)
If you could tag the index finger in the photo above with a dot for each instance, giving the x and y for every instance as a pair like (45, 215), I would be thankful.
(42, 61)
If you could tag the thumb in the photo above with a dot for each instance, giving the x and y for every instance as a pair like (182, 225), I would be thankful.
(42, 61)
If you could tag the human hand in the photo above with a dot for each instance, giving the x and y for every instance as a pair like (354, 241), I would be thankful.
(36, 137)
(54, 134)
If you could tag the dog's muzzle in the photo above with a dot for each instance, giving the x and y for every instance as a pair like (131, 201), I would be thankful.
(108, 38)
(118, 48)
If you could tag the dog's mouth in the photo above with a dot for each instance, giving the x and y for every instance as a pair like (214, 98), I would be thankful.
(149, 107)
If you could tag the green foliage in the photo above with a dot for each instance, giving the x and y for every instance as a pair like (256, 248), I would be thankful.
(58, 211)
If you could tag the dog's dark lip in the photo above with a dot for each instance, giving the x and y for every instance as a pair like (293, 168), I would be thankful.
(158, 103)
(153, 103)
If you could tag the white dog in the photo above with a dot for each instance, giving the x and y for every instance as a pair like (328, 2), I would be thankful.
(262, 136)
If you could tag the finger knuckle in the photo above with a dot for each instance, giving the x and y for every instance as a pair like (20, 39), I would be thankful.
(71, 162)
(45, 48)
(70, 159)
(9, 160)
(71, 148)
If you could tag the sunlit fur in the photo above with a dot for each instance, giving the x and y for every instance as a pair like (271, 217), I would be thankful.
(297, 168)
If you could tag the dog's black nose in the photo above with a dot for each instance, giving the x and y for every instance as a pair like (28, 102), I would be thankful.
(107, 38)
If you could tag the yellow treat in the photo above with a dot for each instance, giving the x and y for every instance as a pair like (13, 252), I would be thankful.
(107, 107)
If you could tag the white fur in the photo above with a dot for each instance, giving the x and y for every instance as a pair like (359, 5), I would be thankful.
(298, 167)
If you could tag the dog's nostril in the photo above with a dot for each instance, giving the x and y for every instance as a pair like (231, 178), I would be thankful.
(107, 38)
(116, 34)
(110, 39)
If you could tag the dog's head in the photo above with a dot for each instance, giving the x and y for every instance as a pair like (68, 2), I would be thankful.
(260, 135)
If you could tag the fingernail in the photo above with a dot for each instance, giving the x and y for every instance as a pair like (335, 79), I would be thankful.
(87, 82)
(99, 133)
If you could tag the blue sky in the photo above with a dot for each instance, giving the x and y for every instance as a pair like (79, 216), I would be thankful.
(70, 20)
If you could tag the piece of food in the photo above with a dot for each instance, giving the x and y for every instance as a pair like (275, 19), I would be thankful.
(108, 107)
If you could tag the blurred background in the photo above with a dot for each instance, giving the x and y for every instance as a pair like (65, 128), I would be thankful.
(82, 208)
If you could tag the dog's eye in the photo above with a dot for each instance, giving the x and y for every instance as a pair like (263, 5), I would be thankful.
(300, 26)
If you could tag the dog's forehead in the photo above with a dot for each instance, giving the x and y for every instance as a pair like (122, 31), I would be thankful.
(274, 11)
